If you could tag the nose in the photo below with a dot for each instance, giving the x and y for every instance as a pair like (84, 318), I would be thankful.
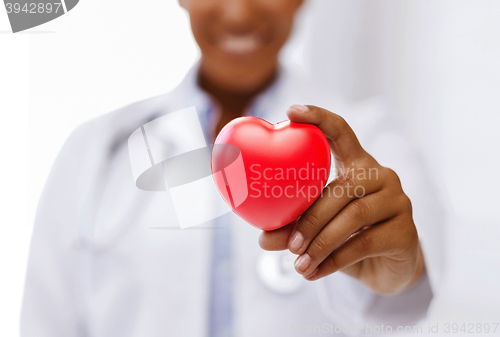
(239, 15)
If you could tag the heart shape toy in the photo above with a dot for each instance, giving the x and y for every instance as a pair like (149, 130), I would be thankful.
(270, 174)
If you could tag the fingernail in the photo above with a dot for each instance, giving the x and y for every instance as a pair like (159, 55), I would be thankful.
(298, 108)
(303, 263)
(296, 242)
(311, 275)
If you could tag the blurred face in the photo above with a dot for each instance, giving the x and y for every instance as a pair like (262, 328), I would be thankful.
(240, 39)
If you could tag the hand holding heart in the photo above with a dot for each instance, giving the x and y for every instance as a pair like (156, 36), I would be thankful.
(370, 237)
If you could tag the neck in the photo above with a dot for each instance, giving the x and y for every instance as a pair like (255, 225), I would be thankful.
(232, 102)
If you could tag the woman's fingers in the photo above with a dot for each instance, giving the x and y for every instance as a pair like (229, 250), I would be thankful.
(360, 213)
(277, 239)
(340, 192)
(372, 209)
(342, 139)
(371, 242)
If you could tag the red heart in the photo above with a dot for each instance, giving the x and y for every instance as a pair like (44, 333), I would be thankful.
(270, 174)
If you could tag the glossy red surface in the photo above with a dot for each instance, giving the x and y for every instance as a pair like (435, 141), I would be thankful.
(279, 172)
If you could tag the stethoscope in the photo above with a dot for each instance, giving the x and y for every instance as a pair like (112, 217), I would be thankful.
(276, 271)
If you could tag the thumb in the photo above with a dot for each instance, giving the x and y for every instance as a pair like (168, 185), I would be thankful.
(342, 140)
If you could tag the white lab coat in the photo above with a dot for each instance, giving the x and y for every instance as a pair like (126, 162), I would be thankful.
(100, 265)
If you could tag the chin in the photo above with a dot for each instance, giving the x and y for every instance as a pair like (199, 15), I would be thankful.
(239, 71)
(245, 81)
(246, 75)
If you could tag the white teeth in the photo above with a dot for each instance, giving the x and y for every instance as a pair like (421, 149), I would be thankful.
(240, 44)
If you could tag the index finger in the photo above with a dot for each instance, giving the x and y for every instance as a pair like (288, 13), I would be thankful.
(341, 138)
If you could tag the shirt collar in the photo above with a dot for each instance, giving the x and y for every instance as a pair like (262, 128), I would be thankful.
(208, 111)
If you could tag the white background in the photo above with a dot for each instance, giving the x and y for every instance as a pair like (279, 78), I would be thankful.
(437, 62)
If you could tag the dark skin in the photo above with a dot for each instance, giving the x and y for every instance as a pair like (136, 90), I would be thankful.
(232, 103)
(239, 42)
(371, 238)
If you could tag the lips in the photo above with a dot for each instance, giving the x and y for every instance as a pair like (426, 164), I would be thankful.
(240, 45)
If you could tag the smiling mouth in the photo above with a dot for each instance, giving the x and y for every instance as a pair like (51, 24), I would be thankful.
(241, 45)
